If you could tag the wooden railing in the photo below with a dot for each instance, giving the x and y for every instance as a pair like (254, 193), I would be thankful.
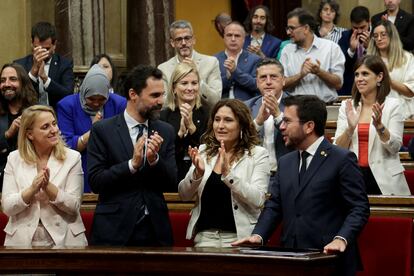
(400, 206)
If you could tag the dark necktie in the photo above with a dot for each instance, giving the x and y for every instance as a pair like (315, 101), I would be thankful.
(302, 171)
(141, 128)
(360, 51)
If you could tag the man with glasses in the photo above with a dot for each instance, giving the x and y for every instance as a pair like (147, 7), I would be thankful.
(354, 43)
(313, 65)
(267, 109)
(403, 21)
(319, 191)
(183, 40)
(237, 66)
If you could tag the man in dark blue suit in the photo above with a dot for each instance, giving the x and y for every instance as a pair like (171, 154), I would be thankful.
(50, 73)
(319, 190)
(354, 43)
(403, 21)
(130, 162)
(237, 66)
(259, 24)
(267, 109)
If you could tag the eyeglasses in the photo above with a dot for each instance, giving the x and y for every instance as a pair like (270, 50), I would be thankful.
(184, 38)
(288, 121)
(292, 28)
(377, 36)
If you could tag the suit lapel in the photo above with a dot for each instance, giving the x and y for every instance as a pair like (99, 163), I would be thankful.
(54, 165)
(123, 134)
(53, 68)
(318, 159)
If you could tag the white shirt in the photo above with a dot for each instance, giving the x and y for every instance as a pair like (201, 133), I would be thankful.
(331, 58)
(311, 150)
(257, 41)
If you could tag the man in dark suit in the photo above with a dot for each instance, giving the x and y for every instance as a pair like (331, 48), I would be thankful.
(51, 74)
(319, 190)
(130, 162)
(259, 24)
(403, 21)
(237, 66)
(267, 109)
(354, 43)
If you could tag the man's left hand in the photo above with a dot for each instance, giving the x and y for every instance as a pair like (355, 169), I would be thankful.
(154, 145)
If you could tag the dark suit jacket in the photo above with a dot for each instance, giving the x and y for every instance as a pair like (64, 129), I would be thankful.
(122, 194)
(349, 63)
(73, 122)
(60, 74)
(404, 22)
(243, 78)
(6, 145)
(330, 201)
(270, 46)
(254, 106)
(200, 119)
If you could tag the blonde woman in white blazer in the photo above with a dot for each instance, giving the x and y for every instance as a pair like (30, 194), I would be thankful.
(384, 126)
(43, 185)
(230, 160)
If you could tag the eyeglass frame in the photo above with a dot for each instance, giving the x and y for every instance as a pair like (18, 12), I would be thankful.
(186, 39)
(293, 28)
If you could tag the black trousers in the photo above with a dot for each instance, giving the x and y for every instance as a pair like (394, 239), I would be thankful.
(370, 182)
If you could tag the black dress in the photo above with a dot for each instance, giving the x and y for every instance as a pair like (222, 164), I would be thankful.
(200, 119)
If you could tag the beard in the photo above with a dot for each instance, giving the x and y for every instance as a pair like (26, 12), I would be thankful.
(152, 113)
(8, 94)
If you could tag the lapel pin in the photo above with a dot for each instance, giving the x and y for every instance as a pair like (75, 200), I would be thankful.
(55, 62)
(323, 153)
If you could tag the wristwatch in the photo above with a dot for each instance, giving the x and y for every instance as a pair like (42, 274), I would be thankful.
(381, 130)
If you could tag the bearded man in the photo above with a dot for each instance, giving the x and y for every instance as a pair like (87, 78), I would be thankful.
(17, 93)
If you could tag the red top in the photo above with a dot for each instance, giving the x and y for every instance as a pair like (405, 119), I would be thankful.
(363, 134)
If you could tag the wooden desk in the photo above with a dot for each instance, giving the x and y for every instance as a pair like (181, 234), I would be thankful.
(164, 261)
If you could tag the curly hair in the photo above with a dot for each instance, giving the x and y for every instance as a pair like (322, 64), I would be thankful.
(248, 138)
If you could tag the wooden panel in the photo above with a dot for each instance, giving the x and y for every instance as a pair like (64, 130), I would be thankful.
(115, 31)
(160, 261)
(207, 39)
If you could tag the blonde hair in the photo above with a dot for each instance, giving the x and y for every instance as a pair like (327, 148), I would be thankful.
(180, 71)
(25, 146)
(395, 51)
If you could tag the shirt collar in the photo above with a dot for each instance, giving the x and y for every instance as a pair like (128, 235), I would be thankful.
(131, 122)
(238, 55)
(314, 147)
(259, 38)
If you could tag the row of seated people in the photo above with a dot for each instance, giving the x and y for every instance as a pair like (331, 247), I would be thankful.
(231, 138)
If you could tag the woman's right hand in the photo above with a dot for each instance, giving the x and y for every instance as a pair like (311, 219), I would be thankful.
(197, 162)
(352, 115)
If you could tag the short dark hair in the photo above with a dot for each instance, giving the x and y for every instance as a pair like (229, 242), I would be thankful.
(97, 58)
(334, 5)
(43, 31)
(269, 20)
(359, 14)
(304, 18)
(137, 78)
(267, 61)
(376, 65)
(309, 108)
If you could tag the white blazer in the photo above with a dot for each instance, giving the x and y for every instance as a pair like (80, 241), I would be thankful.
(383, 158)
(248, 181)
(61, 217)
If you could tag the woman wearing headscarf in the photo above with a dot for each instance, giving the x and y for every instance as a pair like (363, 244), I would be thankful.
(77, 112)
